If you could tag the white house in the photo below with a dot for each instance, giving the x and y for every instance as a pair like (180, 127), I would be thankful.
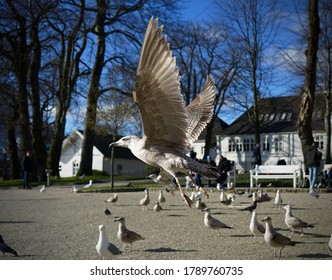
(199, 145)
(125, 163)
(278, 133)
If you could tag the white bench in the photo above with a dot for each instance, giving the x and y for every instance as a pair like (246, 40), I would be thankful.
(231, 177)
(276, 172)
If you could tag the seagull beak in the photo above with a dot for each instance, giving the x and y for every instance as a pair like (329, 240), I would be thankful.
(112, 144)
(204, 192)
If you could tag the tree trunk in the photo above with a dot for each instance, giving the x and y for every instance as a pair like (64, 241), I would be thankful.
(38, 143)
(93, 93)
(14, 162)
(308, 96)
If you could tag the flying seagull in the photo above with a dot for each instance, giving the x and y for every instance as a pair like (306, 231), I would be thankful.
(275, 239)
(104, 247)
(293, 222)
(125, 235)
(169, 127)
(4, 248)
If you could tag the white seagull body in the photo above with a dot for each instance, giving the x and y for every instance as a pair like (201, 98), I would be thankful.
(105, 248)
(144, 202)
(88, 185)
(255, 227)
(43, 189)
(169, 127)
(113, 199)
(278, 200)
(161, 198)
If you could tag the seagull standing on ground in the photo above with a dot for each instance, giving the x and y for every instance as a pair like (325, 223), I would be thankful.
(104, 247)
(113, 199)
(88, 185)
(161, 198)
(125, 235)
(169, 127)
(157, 207)
(4, 248)
(43, 189)
(213, 223)
(293, 222)
(144, 202)
(255, 227)
(251, 207)
(75, 190)
(278, 200)
(275, 239)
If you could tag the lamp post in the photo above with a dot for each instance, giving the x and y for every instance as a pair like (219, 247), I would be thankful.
(48, 174)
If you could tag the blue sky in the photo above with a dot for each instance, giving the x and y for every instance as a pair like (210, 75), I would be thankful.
(196, 9)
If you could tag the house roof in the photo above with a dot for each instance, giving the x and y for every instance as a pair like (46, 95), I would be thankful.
(277, 114)
(218, 127)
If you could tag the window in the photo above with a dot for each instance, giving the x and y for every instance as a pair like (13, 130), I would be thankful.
(239, 145)
(278, 143)
(75, 168)
(320, 140)
(266, 143)
(248, 145)
(231, 145)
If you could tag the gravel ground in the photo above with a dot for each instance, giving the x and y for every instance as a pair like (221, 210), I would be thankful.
(61, 225)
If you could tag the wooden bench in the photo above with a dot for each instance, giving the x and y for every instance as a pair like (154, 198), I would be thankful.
(276, 172)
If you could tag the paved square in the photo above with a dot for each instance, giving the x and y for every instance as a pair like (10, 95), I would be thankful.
(61, 225)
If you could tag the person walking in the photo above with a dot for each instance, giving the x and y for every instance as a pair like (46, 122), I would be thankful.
(313, 162)
(27, 169)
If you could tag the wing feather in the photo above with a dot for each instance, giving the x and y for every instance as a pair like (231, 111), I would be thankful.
(157, 94)
(200, 110)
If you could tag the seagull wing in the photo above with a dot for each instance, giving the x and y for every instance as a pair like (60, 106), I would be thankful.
(157, 94)
(200, 110)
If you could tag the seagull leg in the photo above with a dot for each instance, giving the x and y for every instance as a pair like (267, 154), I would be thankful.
(193, 181)
(186, 199)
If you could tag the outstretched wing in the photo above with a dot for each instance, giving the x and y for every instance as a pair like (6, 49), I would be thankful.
(200, 110)
(157, 93)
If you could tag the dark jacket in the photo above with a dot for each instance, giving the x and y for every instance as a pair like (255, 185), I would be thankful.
(314, 156)
(27, 164)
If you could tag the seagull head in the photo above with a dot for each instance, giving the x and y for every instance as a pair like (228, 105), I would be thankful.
(119, 219)
(101, 227)
(287, 207)
(267, 219)
(207, 210)
(125, 142)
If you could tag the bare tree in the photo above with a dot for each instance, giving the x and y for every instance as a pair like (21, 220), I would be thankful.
(67, 24)
(304, 127)
(324, 69)
(252, 26)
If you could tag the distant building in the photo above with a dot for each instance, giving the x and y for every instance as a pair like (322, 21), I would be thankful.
(199, 145)
(125, 163)
(279, 137)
